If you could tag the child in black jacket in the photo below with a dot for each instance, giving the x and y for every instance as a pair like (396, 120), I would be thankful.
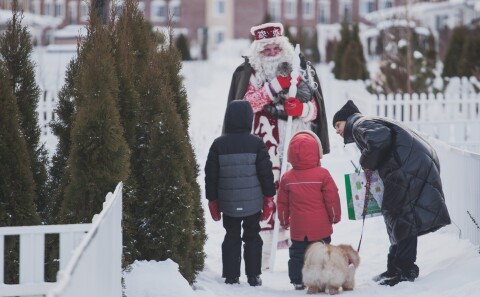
(239, 183)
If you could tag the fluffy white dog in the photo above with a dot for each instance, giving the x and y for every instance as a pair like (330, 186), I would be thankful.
(329, 267)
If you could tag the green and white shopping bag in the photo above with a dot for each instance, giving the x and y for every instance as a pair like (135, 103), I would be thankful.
(355, 187)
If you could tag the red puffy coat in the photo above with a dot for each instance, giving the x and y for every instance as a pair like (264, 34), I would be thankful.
(308, 198)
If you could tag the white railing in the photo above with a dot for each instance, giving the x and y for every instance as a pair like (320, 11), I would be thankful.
(32, 255)
(452, 118)
(90, 263)
(460, 172)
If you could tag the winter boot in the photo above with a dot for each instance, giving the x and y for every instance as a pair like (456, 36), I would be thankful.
(409, 274)
(299, 286)
(392, 270)
(232, 280)
(254, 281)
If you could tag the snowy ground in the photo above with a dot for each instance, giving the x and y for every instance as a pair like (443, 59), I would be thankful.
(449, 267)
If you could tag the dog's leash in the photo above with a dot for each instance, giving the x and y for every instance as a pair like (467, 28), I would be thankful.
(368, 175)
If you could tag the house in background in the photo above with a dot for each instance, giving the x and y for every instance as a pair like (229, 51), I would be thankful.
(207, 23)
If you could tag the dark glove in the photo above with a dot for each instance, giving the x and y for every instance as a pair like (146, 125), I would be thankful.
(213, 206)
(268, 208)
(293, 107)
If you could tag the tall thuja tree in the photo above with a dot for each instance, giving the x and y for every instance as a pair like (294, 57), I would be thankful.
(171, 58)
(99, 155)
(167, 208)
(15, 51)
(61, 127)
(133, 41)
(17, 187)
(353, 65)
(340, 49)
(453, 55)
(469, 63)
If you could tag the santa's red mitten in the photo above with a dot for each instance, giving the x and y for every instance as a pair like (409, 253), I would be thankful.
(293, 107)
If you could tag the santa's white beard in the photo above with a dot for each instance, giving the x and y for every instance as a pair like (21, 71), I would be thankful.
(266, 67)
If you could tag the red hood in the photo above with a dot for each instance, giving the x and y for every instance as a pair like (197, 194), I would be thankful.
(305, 150)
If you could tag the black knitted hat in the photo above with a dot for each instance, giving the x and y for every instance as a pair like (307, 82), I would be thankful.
(347, 110)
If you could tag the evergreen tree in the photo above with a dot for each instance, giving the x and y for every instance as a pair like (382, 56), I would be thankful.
(190, 167)
(169, 225)
(17, 187)
(453, 55)
(181, 43)
(99, 154)
(16, 50)
(133, 41)
(353, 64)
(431, 52)
(399, 72)
(469, 63)
(61, 128)
(340, 49)
(164, 170)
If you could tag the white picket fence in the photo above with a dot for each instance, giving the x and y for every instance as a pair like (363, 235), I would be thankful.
(90, 256)
(453, 118)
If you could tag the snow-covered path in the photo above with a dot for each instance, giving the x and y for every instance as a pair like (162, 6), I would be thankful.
(449, 267)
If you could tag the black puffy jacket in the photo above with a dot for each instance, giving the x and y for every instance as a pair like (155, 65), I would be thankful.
(413, 201)
(238, 171)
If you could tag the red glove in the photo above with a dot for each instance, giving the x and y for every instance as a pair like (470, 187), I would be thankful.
(213, 206)
(268, 208)
(293, 107)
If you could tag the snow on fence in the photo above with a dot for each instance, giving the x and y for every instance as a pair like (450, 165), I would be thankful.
(90, 256)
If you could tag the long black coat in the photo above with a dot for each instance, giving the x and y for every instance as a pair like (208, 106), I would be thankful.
(238, 88)
(413, 201)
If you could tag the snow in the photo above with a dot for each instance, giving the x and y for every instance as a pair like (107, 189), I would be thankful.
(449, 266)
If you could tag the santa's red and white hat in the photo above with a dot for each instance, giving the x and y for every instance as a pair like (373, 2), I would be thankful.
(267, 31)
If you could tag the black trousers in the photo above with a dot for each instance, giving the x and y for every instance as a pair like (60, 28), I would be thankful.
(232, 246)
(403, 254)
(297, 255)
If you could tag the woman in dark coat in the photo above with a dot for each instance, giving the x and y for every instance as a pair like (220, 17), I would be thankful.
(413, 201)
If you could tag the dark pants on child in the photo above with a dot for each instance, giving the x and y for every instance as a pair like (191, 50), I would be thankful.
(297, 254)
(403, 254)
(232, 246)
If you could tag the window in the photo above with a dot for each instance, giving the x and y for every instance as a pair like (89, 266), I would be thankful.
(324, 12)
(174, 9)
(367, 6)
(35, 7)
(386, 4)
(274, 10)
(290, 9)
(53, 116)
(345, 11)
(59, 9)
(308, 9)
(159, 11)
(219, 37)
(219, 7)
(84, 11)
(72, 13)
(48, 8)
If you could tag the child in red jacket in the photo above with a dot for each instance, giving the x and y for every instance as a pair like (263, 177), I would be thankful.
(308, 201)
